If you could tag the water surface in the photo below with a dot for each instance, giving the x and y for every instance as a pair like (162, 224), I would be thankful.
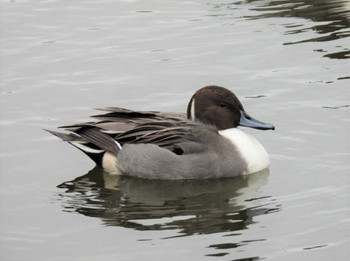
(287, 61)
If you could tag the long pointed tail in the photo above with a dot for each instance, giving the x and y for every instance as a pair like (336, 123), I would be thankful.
(99, 146)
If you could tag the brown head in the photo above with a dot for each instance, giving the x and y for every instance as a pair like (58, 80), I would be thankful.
(218, 106)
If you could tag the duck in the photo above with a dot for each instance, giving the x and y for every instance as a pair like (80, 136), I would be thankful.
(203, 143)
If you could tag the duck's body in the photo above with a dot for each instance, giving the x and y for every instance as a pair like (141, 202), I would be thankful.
(154, 145)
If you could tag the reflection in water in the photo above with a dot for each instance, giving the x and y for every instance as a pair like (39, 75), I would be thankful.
(189, 206)
(331, 19)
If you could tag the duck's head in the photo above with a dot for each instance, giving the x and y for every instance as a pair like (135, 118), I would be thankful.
(220, 107)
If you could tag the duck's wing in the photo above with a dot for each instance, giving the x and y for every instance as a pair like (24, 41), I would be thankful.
(122, 112)
(180, 137)
(118, 120)
(121, 126)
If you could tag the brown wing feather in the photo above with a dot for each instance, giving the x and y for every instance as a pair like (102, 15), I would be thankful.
(126, 126)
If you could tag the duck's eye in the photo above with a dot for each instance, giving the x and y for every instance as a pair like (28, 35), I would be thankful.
(223, 105)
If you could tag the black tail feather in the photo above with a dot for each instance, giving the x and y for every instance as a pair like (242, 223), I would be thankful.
(90, 141)
(100, 139)
(66, 137)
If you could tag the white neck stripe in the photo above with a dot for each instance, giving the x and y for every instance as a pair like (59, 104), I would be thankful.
(193, 113)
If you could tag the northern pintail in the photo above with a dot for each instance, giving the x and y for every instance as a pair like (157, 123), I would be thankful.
(154, 145)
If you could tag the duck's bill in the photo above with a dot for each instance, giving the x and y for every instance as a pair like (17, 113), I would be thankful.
(248, 121)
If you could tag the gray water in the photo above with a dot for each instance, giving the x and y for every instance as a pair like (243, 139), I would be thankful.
(288, 62)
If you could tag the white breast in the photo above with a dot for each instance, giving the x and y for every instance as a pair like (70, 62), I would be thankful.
(250, 149)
